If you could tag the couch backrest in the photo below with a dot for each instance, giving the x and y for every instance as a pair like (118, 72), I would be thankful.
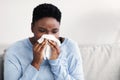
(101, 62)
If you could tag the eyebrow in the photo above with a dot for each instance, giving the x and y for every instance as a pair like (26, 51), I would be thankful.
(46, 29)
(41, 27)
(55, 29)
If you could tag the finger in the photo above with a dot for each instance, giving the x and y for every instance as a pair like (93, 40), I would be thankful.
(58, 50)
(54, 46)
(52, 43)
(36, 46)
(42, 44)
(45, 42)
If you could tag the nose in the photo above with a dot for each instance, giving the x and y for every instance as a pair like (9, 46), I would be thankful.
(48, 32)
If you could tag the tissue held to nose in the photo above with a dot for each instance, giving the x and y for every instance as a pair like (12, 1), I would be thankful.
(47, 49)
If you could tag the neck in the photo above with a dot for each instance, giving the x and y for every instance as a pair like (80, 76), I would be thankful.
(32, 40)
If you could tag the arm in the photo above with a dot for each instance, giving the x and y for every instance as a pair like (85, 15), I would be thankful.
(73, 71)
(12, 70)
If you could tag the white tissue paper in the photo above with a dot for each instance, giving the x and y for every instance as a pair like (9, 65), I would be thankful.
(47, 49)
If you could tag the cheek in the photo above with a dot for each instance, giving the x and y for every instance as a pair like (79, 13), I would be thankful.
(57, 36)
(37, 35)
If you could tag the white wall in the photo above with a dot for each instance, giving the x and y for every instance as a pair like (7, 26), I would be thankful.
(85, 21)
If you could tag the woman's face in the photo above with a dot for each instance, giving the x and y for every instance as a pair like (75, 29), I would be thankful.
(46, 25)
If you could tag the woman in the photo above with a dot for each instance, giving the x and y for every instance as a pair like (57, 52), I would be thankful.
(24, 59)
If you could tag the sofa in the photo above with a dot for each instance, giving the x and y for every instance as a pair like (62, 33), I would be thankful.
(1, 66)
(100, 62)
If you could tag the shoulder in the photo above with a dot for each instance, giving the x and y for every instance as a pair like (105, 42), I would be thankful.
(16, 47)
(71, 44)
(72, 49)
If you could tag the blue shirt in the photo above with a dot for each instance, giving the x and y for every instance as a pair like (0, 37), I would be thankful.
(18, 58)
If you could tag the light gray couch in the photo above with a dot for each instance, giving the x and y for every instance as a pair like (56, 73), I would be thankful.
(100, 62)
(1, 67)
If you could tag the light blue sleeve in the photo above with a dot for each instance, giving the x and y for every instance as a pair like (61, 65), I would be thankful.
(12, 70)
(73, 71)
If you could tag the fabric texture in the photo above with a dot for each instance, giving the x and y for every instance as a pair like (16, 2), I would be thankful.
(101, 62)
(18, 58)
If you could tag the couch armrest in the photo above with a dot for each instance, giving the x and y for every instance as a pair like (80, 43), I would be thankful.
(1, 66)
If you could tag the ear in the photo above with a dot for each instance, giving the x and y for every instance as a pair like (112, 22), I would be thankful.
(32, 25)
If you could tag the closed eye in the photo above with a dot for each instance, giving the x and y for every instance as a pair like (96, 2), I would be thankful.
(55, 31)
(42, 30)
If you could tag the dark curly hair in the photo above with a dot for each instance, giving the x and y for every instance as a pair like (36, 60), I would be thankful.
(46, 10)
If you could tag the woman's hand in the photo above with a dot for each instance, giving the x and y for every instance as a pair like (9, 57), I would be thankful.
(38, 54)
(55, 50)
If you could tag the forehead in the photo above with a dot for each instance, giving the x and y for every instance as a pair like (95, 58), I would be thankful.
(47, 22)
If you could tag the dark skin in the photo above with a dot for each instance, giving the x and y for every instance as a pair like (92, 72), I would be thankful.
(45, 25)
